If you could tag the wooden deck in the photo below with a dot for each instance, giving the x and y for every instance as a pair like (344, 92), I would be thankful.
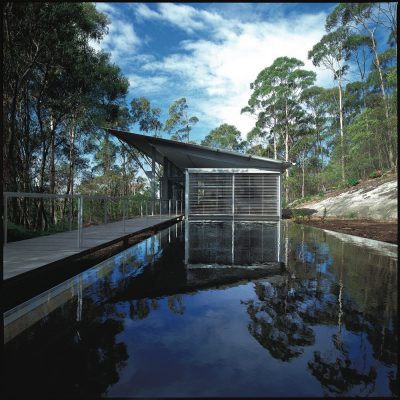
(26, 255)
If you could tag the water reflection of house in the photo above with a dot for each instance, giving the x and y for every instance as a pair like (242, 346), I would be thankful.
(221, 251)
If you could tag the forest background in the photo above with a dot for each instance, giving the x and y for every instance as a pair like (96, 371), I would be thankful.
(59, 93)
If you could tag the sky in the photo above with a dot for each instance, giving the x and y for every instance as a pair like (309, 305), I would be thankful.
(208, 53)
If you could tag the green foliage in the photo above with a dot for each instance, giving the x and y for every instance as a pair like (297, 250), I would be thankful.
(145, 116)
(179, 124)
(224, 137)
(324, 214)
(375, 174)
(352, 181)
(300, 215)
(351, 215)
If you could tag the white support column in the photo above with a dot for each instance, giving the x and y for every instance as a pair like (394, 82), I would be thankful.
(233, 195)
(186, 195)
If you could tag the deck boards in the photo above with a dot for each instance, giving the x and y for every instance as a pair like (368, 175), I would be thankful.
(26, 255)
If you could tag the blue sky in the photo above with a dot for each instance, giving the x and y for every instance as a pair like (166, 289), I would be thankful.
(208, 52)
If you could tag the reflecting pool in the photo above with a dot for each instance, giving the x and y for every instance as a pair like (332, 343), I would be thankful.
(215, 309)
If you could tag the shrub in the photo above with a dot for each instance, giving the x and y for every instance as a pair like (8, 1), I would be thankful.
(352, 181)
(375, 174)
(324, 215)
(351, 215)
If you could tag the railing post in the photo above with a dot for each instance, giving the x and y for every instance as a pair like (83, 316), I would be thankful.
(176, 207)
(5, 216)
(160, 208)
(147, 213)
(80, 221)
(123, 213)
(169, 207)
(141, 209)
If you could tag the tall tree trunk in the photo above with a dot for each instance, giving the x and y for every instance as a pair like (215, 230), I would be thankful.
(71, 168)
(52, 170)
(303, 172)
(384, 98)
(287, 153)
(341, 130)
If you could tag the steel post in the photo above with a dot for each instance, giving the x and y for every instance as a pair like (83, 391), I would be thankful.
(80, 221)
(169, 207)
(5, 216)
(123, 212)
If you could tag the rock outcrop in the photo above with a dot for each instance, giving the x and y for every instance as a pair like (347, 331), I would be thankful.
(370, 200)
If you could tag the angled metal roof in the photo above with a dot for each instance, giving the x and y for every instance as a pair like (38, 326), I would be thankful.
(186, 155)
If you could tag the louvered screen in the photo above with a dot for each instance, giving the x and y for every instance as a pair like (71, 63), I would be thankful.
(210, 194)
(241, 194)
(256, 194)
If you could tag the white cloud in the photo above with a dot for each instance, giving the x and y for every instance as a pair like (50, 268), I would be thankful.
(150, 85)
(121, 41)
(222, 67)
(225, 49)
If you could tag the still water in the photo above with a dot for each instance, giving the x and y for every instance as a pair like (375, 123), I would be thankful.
(215, 309)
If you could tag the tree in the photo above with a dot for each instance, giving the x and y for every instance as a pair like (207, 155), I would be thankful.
(277, 96)
(332, 53)
(179, 125)
(316, 107)
(145, 116)
(225, 137)
(58, 92)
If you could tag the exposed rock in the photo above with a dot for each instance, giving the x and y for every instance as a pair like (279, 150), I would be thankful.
(378, 203)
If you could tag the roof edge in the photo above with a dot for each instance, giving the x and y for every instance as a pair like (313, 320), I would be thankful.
(282, 163)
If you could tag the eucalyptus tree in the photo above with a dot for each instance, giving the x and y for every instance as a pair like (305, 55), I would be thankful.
(40, 44)
(277, 95)
(262, 143)
(146, 116)
(316, 107)
(226, 137)
(332, 53)
(179, 124)
(366, 19)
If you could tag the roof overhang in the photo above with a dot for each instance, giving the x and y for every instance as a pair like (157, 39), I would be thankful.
(186, 155)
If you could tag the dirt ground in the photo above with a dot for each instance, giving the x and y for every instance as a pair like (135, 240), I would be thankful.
(384, 231)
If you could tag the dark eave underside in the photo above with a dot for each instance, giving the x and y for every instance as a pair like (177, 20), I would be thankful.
(185, 155)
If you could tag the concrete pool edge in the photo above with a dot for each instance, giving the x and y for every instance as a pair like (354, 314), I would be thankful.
(22, 287)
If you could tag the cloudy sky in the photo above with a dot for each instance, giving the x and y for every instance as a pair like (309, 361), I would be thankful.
(208, 52)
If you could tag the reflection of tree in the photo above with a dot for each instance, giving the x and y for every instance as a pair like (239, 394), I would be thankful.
(321, 287)
(175, 304)
(276, 324)
(140, 309)
(338, 376)
(58, 356)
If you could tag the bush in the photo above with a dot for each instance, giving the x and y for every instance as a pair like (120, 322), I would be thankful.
(352, 181)
(18, 232)
(375, 174)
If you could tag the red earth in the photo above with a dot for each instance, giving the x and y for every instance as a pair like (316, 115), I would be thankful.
(385, 231)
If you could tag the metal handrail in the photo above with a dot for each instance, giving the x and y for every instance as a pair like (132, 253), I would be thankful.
(169, 207)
